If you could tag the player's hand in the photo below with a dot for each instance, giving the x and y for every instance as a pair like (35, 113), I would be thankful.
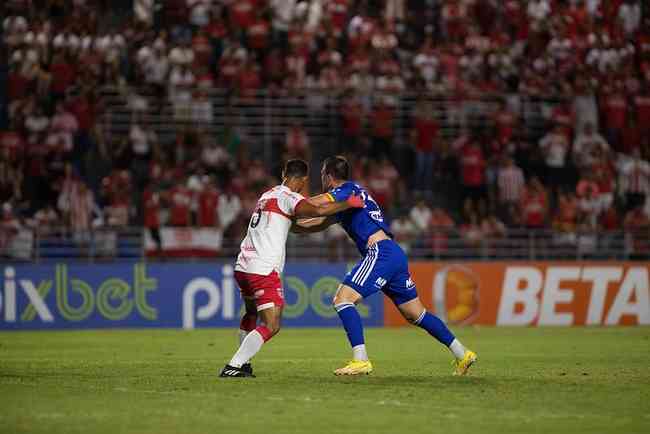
(355, 201)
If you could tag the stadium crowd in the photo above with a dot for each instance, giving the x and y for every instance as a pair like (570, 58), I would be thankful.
(583, 168)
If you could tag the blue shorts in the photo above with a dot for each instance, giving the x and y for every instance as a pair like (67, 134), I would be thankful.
(385, 268)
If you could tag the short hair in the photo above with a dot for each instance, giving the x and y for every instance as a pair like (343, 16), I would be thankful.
(338, 167)
(295, 168)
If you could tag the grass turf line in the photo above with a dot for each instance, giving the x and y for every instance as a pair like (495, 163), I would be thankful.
(574, 380)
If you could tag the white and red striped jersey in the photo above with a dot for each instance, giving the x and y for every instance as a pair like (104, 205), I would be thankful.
(511, 184)
(263, 250)
(634, 175)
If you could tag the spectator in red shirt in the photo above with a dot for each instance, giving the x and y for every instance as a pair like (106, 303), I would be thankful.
(259, 34)
(274, 69)
(208, 204)
(12, 144)
(505, 122)
(381, 119)
(63, 76)
(17, 84)
(202, 48)
(534, 205)
(352, 119)
(337, 12)
(566, 215)
(637, 224)
(473, 165)
(454, 14)
(564, 117)
(642, 108)
(249, 81)
(424, 136)
(604, 175)
(180, 202)
(242, 13)
(632, 135)
(609, 219)
(615, 113)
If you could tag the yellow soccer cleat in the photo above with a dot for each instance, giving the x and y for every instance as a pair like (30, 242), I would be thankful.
(355, 367)
(461, 366)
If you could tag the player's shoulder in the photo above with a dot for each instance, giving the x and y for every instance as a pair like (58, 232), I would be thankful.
(346, 187)
(283, 194)
(273, 192)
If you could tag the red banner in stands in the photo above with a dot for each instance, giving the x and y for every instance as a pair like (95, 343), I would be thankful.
(185, 242)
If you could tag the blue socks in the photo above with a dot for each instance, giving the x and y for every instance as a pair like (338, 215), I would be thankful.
(351, 322)
(435, 327)
(354, 328)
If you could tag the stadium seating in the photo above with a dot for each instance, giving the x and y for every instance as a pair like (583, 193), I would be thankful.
(197, 92)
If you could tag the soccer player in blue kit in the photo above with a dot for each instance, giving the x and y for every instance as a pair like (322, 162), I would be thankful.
(384, 267)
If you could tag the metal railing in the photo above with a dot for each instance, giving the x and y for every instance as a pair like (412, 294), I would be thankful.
(112, 244)
(265, 116)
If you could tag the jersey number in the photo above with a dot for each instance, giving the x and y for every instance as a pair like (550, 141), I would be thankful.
(366, 197)
(256, 217)
(376, 213)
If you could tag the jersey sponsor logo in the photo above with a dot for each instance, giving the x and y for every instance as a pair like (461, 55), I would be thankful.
(380, 282)
(533, 295)
(456, 294)
(376, 215)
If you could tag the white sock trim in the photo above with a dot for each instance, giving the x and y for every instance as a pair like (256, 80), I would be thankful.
(420, 318)
(359, 352)
(339, 307)
(457, 349)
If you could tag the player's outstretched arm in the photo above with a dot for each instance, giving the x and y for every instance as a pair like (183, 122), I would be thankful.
(307, 209)
(320, 199)
(312, 225)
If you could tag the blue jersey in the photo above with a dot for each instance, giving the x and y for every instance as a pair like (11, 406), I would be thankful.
(359, 223)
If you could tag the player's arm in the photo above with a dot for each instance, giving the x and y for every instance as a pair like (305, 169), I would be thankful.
(312, 225)
(321, 199)
(308, 209)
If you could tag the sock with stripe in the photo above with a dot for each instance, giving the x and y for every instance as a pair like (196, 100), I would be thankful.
(354, 328)
(251, 345)
(247, 325)
(437, 328)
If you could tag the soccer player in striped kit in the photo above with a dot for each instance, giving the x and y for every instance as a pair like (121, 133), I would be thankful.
(384, 268)
(261, 260)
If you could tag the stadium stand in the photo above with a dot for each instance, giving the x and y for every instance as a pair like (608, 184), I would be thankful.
(469, 121)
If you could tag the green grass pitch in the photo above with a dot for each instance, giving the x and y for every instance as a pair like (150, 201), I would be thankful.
(546, 380)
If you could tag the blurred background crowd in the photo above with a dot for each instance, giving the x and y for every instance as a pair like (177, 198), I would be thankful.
(464, 116)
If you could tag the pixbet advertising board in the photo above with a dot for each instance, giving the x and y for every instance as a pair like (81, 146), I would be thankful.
(174, 295)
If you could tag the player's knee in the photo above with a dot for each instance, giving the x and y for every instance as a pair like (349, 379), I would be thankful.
(413, 317)
(344, 296)
(248, 321)
(412, 312)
